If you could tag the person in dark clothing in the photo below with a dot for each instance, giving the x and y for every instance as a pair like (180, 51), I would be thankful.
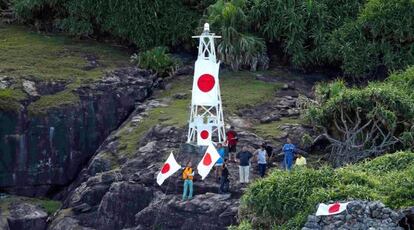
(268, 148)
(232, 139)
(244, 158)
(224, 179)
(269, 152)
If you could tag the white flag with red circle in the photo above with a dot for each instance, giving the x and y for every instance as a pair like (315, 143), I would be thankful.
(209, 160)
(203, 135)
(170, 167)
(331, 209)
(205, 83)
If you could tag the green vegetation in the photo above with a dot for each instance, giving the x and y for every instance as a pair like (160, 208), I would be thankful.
(237, 47)
(158, 60)
(49, 206)
(52, 101)
(43, 58)
(234, 96)
(146, 23)
(9, 99)
(303, 28)
(365, 122)
(360, 36)
(283, 200)
(272, 130)
(382, 35)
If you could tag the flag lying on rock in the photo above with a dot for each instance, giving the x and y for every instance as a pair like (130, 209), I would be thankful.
(331, 209)
(170, 167)
(209, 159)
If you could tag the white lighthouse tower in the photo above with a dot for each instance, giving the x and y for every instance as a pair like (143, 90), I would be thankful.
(206, 116)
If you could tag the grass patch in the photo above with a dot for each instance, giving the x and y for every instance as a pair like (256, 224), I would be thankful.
(241, 89)
(49, 206)
(44, 57)
(52, 101)
(9, 99)
(272, 130)
(41, 57)
(234, 96)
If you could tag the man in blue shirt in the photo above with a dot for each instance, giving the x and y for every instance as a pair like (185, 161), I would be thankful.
(219, 164)
(289, 152)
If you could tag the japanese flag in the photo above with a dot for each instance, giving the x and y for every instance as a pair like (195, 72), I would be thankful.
(331, 209)
(209, 159)
(170, 167)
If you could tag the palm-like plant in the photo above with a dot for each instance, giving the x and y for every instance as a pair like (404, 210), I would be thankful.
(237, 48)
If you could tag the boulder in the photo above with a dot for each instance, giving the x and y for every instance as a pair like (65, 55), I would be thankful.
(26, 216)
(360, 215)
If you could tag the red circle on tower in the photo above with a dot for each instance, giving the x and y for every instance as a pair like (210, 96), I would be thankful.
(204, 134)
(165, 168)
(206, 82)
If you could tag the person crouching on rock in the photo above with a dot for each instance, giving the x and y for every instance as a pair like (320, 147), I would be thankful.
(220, 161)
(300, 160)
(188, 175)
(224, 179)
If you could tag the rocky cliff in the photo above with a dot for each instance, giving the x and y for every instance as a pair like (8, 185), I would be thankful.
(42, 152)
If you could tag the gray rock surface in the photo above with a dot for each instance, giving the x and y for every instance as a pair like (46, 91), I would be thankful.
(53, 147)
(26, 216)
(360, 215)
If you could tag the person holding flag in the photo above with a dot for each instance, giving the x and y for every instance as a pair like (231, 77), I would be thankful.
(188, 175)
(209, 159)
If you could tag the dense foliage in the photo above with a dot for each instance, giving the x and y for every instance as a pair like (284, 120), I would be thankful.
(284, 200)
(382, 35)
(146, 23)
(365, 122)
(237, 47)
(158, 60)
(360, 36)
(303, 28)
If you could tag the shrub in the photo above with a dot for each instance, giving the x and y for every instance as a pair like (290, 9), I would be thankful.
(382, 35)
(237, 47)
(157, 60)
(145, 23)
(365, 122)
(284, 200)
(302, 28)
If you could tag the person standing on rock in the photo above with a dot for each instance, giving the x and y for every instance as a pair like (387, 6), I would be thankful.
(261, 156)
(220, 161)
(243, 158)
(224, 179)
(232, 139)
(188, 175)
(269, 151)
(289, 152)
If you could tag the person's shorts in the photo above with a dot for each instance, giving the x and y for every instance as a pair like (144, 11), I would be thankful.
(232, 148)
(218, 164)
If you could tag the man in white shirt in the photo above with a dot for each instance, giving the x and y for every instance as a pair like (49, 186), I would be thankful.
(261, 157)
